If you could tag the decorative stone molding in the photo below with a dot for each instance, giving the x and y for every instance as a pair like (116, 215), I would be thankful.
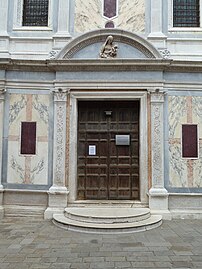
(157, 100)
(158, 199)
(58, 191)
(60, 99)
(2, 97)
(99, 36)
(53, 54)
(165, 53)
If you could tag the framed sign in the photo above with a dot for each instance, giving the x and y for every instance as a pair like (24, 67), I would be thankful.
(91, 150)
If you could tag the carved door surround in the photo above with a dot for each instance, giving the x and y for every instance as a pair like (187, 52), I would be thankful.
(76, 96)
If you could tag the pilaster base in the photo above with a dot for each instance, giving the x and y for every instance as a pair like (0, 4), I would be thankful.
(57, 201)
(158, 202)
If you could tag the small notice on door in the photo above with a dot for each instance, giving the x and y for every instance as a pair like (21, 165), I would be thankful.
(92, 150)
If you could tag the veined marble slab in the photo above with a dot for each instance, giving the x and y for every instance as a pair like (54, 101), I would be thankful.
(89, 15)
(28, 169)
(184, 172)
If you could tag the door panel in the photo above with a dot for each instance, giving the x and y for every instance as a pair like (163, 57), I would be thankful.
(106, 170)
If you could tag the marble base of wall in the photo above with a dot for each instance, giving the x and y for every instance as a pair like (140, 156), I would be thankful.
(24, 211)
(57, 201)
(185, 205)
(23, 203)
(158, 202)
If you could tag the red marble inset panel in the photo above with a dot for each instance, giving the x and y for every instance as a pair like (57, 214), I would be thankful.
(110, 7)
(109, 24)
(28, 138)
(189, 141)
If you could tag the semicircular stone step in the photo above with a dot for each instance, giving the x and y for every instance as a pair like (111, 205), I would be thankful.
(107, 215)
(110, 228)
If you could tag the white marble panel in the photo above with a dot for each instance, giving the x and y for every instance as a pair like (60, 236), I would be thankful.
(197, 171)
(16, 164)
(178, 167)
(39, 165)
(88, 15)
(177, 115)
(184, 172)
(132, 15)
(197, 113)
(24, 169)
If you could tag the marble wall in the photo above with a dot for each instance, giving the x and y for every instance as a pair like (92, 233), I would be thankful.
(28, 169)
(184, 172)
(130, 17)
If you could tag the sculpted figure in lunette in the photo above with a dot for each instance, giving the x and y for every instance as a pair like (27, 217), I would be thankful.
(108, 50)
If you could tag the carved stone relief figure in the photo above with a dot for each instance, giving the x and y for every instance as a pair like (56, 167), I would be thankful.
(108, 50)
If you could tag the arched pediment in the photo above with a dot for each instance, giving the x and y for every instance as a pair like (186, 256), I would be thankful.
(88, 46)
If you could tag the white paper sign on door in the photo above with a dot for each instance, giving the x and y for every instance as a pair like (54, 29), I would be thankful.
(92, 150)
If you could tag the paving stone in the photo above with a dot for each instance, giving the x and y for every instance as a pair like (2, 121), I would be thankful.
(182, 264)
(4, 265)
(80, 265)
(122, 264)
(115, 259)
(60, 266)
(37, 244)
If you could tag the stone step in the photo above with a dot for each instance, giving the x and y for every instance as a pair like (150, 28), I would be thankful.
(107, 219)
(108, 203)
(107, 228)
(107, 215)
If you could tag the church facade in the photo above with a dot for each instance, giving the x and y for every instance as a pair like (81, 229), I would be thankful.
(100, 104)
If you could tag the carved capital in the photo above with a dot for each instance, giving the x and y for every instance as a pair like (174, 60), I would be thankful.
(165, 53)
(157, 95)
(53, 54)
(60, 95)
(2, 92)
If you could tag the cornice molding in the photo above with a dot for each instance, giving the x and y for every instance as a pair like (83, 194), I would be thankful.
(101, 65)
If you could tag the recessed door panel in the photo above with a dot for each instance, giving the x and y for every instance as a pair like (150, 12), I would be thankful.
(107, 170)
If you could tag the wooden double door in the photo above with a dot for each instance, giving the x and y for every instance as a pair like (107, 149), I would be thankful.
(108, 150)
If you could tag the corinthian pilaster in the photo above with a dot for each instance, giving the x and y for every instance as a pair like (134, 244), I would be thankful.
(58, 191)
(158, 195)
(2, 96)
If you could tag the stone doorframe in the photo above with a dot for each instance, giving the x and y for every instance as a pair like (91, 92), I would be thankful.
(61, 193)
(75, 96)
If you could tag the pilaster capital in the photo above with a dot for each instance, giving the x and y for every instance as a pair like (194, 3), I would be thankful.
(157, 95)
(2, 92)
(60, 94)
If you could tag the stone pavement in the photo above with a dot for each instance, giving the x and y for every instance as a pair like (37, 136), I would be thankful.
(35, 243)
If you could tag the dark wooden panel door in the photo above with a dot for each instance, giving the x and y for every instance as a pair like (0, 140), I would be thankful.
(107, 170)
